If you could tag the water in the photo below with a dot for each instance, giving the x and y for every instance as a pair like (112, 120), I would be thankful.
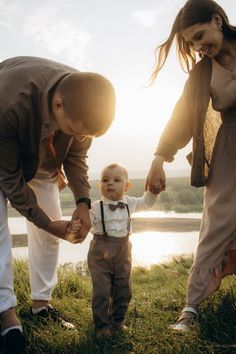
(166, 214)
(148, 247)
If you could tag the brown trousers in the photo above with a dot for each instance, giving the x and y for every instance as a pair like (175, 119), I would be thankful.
(109, 261)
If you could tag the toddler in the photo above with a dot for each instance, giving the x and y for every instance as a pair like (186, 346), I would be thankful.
(109, 256)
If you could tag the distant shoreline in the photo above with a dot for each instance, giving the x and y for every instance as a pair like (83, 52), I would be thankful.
(171, 224)
(141, 225)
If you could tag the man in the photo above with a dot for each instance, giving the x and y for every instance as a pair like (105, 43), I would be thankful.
(49, 114)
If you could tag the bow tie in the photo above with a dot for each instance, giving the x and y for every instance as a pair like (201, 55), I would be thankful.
(116, 206)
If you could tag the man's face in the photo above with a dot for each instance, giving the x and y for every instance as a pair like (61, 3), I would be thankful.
(66, 125)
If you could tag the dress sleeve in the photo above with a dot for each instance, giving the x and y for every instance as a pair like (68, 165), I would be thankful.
(179, 129)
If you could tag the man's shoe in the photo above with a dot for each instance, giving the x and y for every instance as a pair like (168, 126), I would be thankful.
(122, 328)
(13, 342)
(50, 313)
(103, 333)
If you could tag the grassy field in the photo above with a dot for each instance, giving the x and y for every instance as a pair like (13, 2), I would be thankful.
(158, 297)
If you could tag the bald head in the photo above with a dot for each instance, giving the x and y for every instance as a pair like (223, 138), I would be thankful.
(88, 98)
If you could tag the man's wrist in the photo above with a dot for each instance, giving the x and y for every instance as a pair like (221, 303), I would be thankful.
(84, 200)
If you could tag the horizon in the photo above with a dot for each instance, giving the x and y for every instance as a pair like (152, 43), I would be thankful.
(135, 174)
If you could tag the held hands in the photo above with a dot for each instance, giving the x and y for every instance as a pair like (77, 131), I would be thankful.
(58, 228)
(74, 231)
(79, 225)
(156, 180)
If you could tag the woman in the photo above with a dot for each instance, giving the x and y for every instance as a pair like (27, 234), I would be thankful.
(205, 113)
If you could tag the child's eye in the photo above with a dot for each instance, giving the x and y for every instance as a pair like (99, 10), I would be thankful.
(104, 180)
(117, 180)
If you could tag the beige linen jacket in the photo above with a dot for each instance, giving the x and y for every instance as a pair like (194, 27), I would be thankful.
(193, 118)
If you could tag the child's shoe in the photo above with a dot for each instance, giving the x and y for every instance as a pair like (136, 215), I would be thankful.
(105, 332)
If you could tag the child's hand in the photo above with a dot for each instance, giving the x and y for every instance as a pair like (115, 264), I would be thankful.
(72, 231)
(156, 179)
(156, 188)
(75, 225)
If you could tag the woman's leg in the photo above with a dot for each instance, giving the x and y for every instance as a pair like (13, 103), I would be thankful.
(218, 227)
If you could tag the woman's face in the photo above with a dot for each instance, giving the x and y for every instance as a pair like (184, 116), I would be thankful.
(205, 38)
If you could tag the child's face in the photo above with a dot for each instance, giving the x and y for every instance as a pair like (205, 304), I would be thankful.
(113, 183)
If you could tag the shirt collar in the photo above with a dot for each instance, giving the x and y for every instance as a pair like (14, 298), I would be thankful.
(108, 201)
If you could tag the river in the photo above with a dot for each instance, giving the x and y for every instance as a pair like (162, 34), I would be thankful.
(149, 247)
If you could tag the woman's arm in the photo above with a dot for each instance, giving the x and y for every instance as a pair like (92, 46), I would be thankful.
(176, 135)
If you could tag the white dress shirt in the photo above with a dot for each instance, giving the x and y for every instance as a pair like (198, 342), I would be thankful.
(116, 222)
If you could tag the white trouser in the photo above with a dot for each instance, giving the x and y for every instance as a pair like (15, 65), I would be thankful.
(44, 247)
(7, 297)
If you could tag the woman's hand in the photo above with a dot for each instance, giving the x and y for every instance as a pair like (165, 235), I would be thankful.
(156, 180)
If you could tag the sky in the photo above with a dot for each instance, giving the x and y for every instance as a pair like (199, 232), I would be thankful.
(116, 38)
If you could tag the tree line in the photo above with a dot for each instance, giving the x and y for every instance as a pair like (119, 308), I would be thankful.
(179, 196)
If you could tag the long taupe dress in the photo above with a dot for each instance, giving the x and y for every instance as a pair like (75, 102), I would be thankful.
(216, 252)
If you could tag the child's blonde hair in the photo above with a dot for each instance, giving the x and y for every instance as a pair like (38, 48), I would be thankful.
(115, 165)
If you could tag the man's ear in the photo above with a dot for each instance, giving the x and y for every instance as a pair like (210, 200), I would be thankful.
(128, 186)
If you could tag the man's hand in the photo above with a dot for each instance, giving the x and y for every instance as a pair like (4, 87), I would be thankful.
(82, 213)
(156, 180)
(72, 234)
(66, 230)
(58, 228)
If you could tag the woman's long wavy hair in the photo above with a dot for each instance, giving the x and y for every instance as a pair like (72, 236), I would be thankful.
(193, 12)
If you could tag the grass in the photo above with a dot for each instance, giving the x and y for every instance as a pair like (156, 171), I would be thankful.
(158, 297)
